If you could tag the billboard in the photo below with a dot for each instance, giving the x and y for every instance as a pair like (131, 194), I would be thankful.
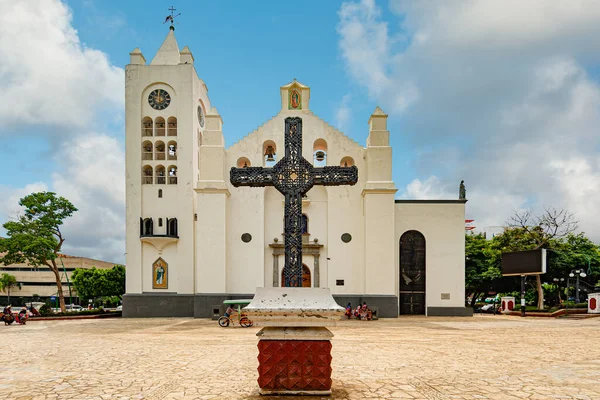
(530, 262)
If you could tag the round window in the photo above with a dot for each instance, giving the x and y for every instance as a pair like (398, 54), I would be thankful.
(346, 237)
(246, 237)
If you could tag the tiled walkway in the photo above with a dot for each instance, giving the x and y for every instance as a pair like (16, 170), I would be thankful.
(484, 357)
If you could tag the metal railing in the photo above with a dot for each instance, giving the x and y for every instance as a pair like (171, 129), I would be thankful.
(160, 180)
(147, 155)
(147, 180)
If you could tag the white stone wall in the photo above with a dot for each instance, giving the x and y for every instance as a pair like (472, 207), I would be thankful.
(260, 211)
(178, 200)
(442, 224)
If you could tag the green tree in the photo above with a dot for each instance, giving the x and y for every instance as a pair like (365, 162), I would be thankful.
(7, 283)
(483, 268)
(533, 232)
(93, 283)
(479, 271)
(35, 237)
(573, 251)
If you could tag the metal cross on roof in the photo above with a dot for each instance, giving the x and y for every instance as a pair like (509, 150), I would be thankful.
(171, 17)
(293, 176)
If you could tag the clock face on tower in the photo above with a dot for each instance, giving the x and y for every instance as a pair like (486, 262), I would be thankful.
(201, 116)
(159, 99)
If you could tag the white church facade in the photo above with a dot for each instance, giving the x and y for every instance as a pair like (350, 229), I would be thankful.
(194, 240)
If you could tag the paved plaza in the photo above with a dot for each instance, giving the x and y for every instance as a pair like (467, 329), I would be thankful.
(484, 357)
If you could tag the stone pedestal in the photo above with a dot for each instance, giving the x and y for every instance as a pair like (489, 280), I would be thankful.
(594, 303)
(508, 304)
(294, 345)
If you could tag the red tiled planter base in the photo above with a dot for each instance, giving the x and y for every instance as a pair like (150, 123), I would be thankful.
(294, 366)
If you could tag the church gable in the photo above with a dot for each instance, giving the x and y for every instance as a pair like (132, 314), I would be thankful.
(323, 144)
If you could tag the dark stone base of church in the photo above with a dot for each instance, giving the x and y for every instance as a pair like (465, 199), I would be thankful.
(449, 312)
(147, 305)
(158, 305)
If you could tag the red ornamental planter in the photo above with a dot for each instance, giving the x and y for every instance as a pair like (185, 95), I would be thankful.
(294, 365)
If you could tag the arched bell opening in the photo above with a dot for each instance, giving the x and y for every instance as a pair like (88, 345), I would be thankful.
(320, 153)
(243, 162)
(159, 150)
(160, 175)
(269, 153)
(172, 126)
(147, 126)
(347, 162)
(147, 150)
(160, 126)
(172, 150)
(147, 175)
(172, 175)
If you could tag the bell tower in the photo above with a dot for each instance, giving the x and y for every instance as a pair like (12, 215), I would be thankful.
(167, 109)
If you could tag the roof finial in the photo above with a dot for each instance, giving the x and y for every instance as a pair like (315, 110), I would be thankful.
(171, 18)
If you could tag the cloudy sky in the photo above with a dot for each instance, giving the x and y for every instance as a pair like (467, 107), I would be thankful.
(503, 94)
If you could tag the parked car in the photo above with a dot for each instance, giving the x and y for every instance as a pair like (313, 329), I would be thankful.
(73, 308)
(120, 308)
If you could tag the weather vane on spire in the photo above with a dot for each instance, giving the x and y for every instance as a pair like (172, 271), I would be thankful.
(171, 18)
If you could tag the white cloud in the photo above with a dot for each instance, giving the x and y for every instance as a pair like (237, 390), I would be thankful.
(365, 44)
(59, 85)
(429, 189)
(343, 113)
(93, 179)
(9, 199)
(47, 74)
(503, 85)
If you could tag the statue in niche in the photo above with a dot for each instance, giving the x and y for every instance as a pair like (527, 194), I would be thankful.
(462, 192)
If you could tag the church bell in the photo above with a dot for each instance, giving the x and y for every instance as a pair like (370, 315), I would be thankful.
(320, 155)
(270, 153)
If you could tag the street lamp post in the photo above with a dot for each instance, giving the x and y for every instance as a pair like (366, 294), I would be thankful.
(557, 282)
(577, 273)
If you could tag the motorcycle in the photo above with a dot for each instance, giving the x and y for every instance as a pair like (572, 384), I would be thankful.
(21, 318)
(7, 318)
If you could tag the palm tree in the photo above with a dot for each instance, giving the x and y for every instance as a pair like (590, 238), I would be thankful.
(7, 282)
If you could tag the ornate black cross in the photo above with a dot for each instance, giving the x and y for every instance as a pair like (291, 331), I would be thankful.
(293, 176)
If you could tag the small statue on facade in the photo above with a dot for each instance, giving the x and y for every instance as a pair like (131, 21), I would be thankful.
(462, 192)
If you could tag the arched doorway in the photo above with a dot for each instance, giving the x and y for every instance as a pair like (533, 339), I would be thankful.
(412, 273)
(306, 278)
